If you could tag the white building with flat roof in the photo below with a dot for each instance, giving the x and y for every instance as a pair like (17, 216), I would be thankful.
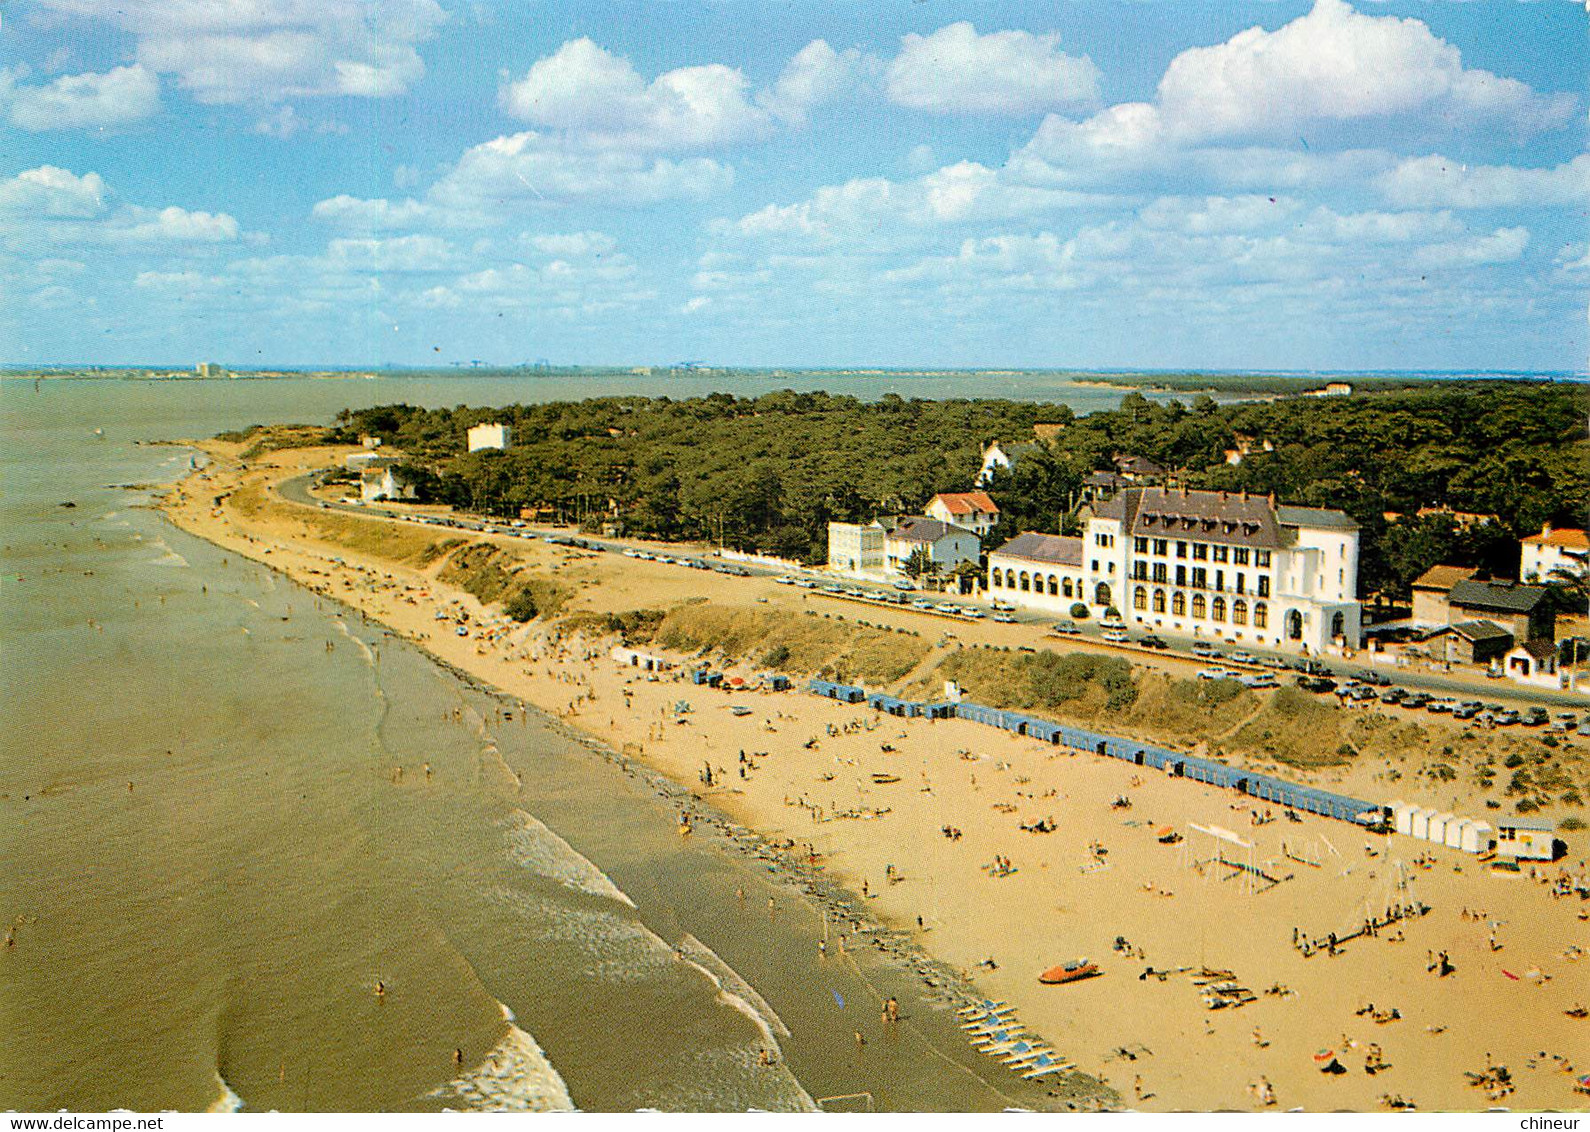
(1225, 565)
(856, 548)
(485, 436)
(1037, 571)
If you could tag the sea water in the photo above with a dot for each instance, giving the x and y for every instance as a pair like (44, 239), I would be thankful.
(218, 834)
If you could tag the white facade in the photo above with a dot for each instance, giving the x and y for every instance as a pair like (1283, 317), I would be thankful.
(1226, 567)
(1525, 839)
(856, 548)
(947, 545)
(483, 436)
(973, 510)
(1037, 572)
(1552, 550)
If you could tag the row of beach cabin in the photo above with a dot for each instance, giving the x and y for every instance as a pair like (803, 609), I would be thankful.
(1519, 838)
(1264, 787)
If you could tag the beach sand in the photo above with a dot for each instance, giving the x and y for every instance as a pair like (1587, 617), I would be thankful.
(808, 761)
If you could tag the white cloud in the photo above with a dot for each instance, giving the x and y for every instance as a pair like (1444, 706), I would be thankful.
(602, 100)
(171, 225)
(1336, 64)
(264, 51)
(393, 254)
(1502, 246)
(816, 74)
(371, 215)
(956, 71)
(50, 191)
(573, 245)
(1574, 257)
(1437, 180)
(86, 101)
(282, 123)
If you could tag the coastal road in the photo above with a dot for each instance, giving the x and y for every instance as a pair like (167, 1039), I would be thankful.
(876, 595)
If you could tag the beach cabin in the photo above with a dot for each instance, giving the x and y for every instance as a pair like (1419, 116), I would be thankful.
(1454, 832)
(1419, 825)
(844, 693)
(1402, 816)
(1478, 837)
(1436, 829)
(633, 658)
(1525, 839)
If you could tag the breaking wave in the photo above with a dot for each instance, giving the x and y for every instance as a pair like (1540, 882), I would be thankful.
(516, 1076)
(536, 847)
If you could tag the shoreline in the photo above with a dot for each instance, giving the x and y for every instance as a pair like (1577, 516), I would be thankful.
(984, 914)
(936, 981)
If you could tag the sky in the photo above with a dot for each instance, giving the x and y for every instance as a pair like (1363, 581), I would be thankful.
(1316, 185)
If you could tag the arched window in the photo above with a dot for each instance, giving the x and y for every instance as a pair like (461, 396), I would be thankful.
(1338, 626)
(1239, 612)
(1294, 625)
(1261, 615)
(1198, 605)
(1010, 579)
(1025, 582)
(1054, 586)
(1217, 609)
(995, 579)
(1159, 601)
(1139, 598)
(1067, 588)
(1101, 594)
(1178, 604)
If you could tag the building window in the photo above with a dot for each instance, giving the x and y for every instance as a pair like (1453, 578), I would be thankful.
(1198, 605)
(1160, 571)
(1217, 609)
(994, 579)
(1181, 549)
(1068, 587)
(1178, 604)
(1261, 559)
(1139, 598)
(1024, 582)
(1338, 625)
(1161, 546)
(1200, 577)
(1054, 586)
(1140, 545)
(1095, 565)
(1220, 579)
(1010, 579)
(1200, 552)
(1261, 615)
(1264, 585)
(1181, 575)
(1101, 594)
(1239, 612)
(1140, 571)
(1294, 625)
(1222, 553)
(1159, 601)
(1242, 583)
(1240, 556)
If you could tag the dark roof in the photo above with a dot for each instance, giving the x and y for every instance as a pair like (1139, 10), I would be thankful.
(1536, 825)
(1500, 597)
(1442, 578)
(1540, 649)
(1138, 466)
(1325, 517)
(1477, 631)
(916, 528)
(1106, 479)
(1208, 516)
(1059, 549)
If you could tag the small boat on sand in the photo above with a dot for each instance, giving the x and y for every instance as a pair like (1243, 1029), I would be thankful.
(1070, 972)
(885, 779)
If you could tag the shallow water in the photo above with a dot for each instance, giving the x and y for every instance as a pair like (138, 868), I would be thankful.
(210, 858)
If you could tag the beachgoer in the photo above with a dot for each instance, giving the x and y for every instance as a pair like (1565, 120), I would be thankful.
(380, 989)
(458, 1057)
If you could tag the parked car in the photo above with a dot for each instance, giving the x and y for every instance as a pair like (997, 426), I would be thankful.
(1066, 628)
(1242, 657)
(1259, 680)
(1465, 711)
(1117, 636)
(1004, 618)
(1536, 717)
(1441, 706)
(1415, 700)
(1205, 649)
(1216, 674)
(904, 584)
(1315, 683)
(1152, 642)
(1375, 679)
(1393, 695)
(1112, 623)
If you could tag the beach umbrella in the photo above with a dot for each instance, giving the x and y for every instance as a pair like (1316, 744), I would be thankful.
(840, 999)
(736, 680)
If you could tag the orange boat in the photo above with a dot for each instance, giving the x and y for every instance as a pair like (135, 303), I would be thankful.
(1070, 972)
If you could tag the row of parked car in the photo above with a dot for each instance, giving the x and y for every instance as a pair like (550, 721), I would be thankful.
(899, 598)
(1494, 714)
(672, 560)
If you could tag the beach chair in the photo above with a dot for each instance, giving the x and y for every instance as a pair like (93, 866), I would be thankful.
(1045, 1066)
(987, 1041)
(1023, 1052)
(988, 1005)
(983, 1029)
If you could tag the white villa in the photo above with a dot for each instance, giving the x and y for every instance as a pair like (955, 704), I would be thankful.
(381, 480)
(973, 510)
(1552, 549)
(483, 436)
(1002, 457)
(880, 549)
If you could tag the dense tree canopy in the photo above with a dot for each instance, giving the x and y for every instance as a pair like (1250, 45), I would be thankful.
(770, 472)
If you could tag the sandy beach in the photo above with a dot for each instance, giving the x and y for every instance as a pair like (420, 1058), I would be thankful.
(1106, 883)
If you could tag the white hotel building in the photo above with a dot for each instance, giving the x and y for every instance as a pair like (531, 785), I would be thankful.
(1225, 566)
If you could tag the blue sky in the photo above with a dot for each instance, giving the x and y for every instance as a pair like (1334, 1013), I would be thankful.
(1293, 185)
